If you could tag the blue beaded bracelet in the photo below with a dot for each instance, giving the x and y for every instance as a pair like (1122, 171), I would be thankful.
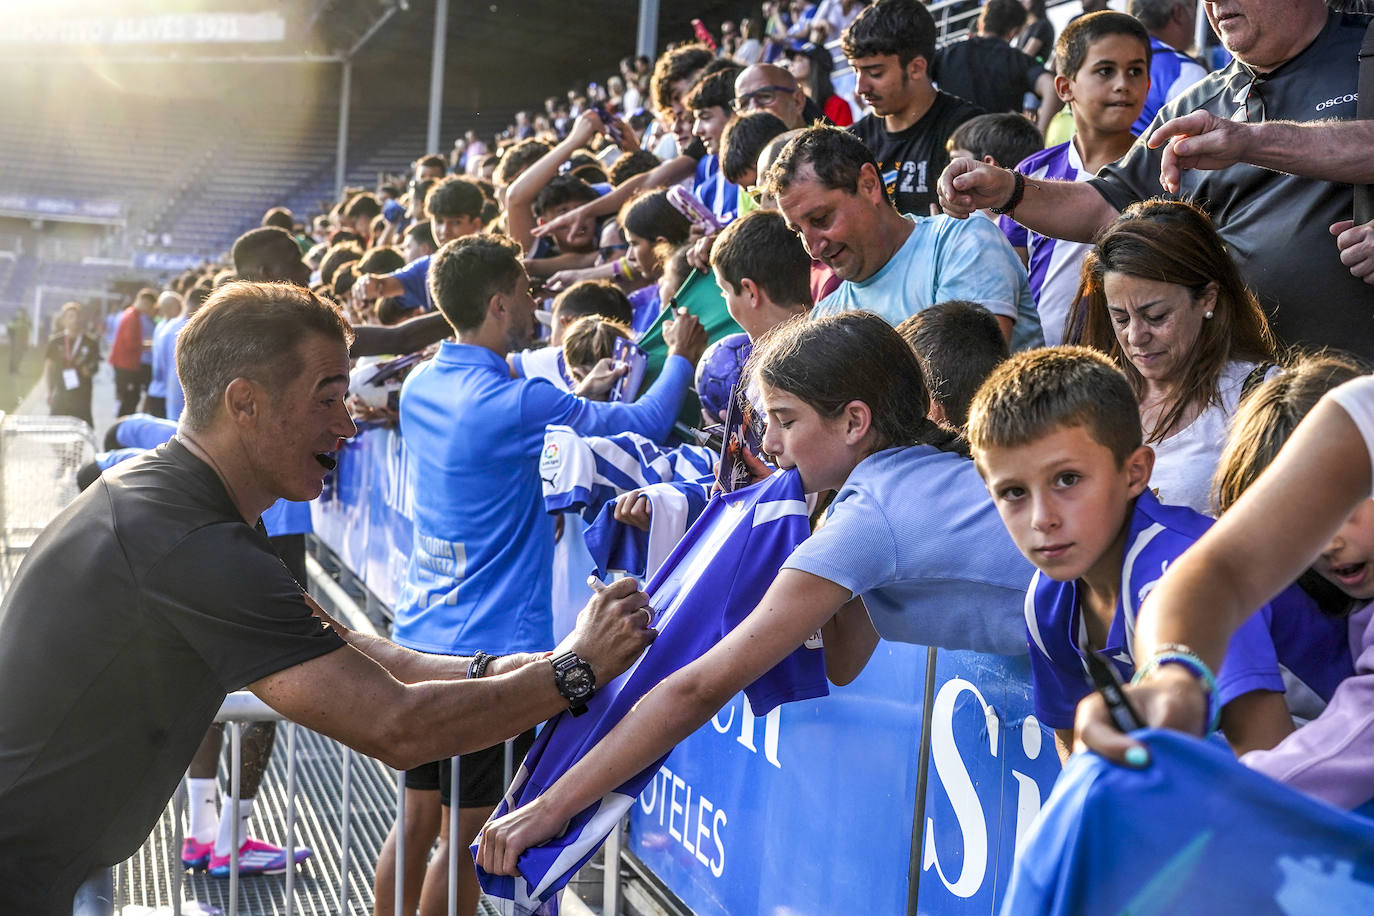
(1177, 654)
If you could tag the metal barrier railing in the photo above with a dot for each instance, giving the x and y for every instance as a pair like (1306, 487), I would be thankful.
(244, 707)
(39, 458)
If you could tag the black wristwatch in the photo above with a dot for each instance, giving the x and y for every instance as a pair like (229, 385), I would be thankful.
(575, 681)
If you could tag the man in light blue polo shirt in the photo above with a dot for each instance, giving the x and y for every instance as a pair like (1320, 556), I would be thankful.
(480, 573)
(828, 187)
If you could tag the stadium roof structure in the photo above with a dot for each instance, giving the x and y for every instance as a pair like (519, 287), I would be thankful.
(527, 46)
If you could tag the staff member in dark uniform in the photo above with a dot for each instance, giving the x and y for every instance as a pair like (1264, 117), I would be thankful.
(70, 362)
(156, 592)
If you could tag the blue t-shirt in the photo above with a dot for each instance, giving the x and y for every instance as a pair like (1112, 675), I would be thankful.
(414, 279)
(480, 570)
(1309, 644)
(713, 579)
(143, 430)
(1171, 72)
(148, 328)
(164, 337)
(176, 397)
(945, 258)
(914, 532)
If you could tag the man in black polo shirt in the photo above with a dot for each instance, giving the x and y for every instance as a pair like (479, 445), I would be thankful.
(890, 46)
(1295, 61)
(987, 71)
(156, 592)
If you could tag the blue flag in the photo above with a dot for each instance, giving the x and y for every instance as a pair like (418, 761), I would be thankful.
(712, 580)
(1194, 832)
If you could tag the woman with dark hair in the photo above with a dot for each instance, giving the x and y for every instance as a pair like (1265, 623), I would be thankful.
(70, 362)
(912, 550)
(811, 65)
(1161, 295)
(1036, 37)
(653, 228)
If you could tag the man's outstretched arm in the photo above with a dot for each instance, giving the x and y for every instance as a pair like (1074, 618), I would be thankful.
(1071, 210)
(406, 337)
(351, 696)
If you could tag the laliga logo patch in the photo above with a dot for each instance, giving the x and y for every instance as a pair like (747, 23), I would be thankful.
(551, 460)
(814, 641)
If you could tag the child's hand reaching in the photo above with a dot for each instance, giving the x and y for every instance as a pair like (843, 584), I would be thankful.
(597, 383)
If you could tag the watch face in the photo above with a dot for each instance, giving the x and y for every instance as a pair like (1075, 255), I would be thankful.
(577, 680)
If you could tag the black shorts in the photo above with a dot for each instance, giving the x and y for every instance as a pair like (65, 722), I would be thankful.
(481, 774)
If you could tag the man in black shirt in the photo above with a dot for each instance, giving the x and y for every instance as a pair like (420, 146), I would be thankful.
(156, 592)
(1294, 62)
(890, 46)
(987, 71)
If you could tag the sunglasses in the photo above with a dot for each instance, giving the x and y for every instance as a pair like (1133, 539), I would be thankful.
(760, 97)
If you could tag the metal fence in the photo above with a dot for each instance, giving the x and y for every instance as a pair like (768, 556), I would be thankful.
(39, 458)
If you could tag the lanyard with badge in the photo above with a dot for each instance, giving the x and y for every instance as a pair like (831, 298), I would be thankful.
(71, 379)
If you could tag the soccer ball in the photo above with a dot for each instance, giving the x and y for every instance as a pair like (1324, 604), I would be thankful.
(718, 372)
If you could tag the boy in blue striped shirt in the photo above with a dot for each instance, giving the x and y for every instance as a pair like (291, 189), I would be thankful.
(1056, 436)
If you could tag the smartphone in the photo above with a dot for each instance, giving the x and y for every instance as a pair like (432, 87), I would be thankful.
(703, 34)
(696, 212)
(627, 386)
(608, 124)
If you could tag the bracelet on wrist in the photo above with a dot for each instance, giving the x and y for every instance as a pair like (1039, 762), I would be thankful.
(1186, 658)
(1018, 190)
(478, 666)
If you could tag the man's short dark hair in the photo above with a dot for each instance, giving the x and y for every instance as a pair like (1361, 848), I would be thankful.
(337, 256)
(433, 161)
(418, 192)
(563, 189)
(1037, 392)
(714, 90)
(364, 205)
(518, 157)
(744, 138)
(258, 253)
(455, 196)
(1071, 49)
(1001, 17)
(584, 165)
(628, 165)
(467, 272)
(759, 247)
(253, 331)
(675, 65)
(381, 261)
(197, 295)
(958, 343)
(343, 281)
(834, 155)
(423, 233)
(1007, 137)
(901, 27)
(1154, 14)
(593, 297)
(281, 218)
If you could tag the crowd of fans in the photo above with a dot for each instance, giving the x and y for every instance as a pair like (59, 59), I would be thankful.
(898, 261)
